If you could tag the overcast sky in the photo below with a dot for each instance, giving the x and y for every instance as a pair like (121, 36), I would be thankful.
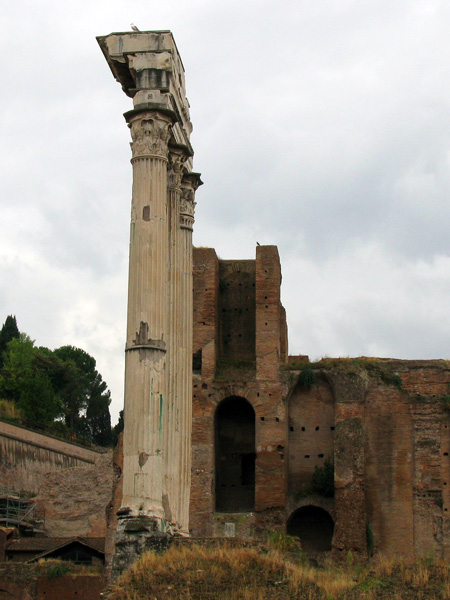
(321, 126)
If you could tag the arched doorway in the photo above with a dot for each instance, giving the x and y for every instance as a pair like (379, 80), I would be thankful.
(314, 526)
(235, 455)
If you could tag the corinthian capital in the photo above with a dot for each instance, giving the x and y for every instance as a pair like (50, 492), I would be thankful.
(150, 133)
(187, 207)
(177, 158)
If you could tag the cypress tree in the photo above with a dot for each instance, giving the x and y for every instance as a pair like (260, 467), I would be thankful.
(8, 332)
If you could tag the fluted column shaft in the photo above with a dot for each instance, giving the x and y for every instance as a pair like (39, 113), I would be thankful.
(186, 222)
(148, 318)
(172, 475)
(178, 423)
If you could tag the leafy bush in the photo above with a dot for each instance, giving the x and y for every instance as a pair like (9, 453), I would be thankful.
(58, 569)
(306, 378)
(322, 480)
(283, 542)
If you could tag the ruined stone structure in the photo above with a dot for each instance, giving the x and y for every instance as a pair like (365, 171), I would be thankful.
(158, 363)
(239, 421)
(263, 422)
(70, 485)
(27, 456)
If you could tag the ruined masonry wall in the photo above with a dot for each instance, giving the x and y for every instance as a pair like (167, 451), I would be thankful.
(220, 285)
(26, 457)
(76, 499)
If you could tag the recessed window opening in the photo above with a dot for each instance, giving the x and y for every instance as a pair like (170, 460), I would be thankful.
(235, 455)
(197, 362)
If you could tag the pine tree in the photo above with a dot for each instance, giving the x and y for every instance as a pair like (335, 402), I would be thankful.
(8, 332)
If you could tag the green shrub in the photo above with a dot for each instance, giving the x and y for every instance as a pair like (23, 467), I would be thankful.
(306, 378)
(58, 570)
(283, 542)
(322, 480)
(369, 540)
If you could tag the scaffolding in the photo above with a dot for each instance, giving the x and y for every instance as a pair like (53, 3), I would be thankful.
(18, 511)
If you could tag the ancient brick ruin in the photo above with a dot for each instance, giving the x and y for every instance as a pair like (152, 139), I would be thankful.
(263, 421)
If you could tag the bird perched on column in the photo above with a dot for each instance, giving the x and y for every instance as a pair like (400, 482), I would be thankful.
(133, 27)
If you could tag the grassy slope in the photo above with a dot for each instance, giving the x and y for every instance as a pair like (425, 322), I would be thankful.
(225, 573)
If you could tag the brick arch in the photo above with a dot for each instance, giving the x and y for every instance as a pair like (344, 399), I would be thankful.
(234, 433)
(313, 525)
(229, 390)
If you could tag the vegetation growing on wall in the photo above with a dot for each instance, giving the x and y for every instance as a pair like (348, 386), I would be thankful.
(374, 367)
(306, 378)
(322, 481)
(59, 391)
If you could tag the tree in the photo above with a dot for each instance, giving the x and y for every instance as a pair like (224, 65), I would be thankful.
(85, 397)
(22, 380)
(60, 388)
(8, 332)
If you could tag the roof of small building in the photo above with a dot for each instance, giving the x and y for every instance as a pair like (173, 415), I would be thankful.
(44, 545)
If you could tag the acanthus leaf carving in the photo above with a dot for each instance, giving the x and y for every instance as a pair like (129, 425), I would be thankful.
(150, 135)
(175, 168)
(187, 208)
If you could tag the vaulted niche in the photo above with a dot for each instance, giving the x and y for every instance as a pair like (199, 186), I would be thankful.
(235, 455)
(314, 526)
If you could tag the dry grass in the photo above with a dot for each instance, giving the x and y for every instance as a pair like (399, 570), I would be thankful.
(237, 573)
(220, 573)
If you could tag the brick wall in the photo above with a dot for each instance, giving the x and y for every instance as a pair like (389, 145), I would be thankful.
(311, 433)
(237, 309)
(246, 292)
(68, 587)
(391, 451)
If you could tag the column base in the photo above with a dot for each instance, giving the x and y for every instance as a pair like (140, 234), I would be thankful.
(136, 535)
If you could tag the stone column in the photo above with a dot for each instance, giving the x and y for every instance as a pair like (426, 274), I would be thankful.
(173, 487)
(178, 417)
(158, 364)
(148, 319)
(190, 183)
